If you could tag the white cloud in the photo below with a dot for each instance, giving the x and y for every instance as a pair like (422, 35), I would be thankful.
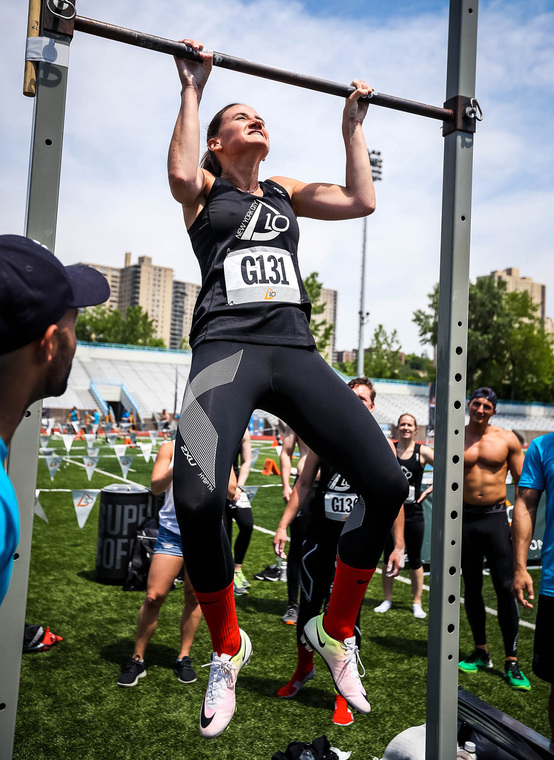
(122, 103)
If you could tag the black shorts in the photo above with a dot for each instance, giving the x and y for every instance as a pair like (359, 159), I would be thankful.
(543, 659)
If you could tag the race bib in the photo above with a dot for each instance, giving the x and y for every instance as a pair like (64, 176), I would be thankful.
(339, 505)
(262, 274)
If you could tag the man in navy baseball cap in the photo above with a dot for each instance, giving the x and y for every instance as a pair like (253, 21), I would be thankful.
(39, 298)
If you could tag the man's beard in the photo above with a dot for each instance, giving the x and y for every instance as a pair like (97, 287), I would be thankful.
(56, 382)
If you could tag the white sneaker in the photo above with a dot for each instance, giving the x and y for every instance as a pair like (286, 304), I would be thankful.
(384, 606)
(419, 612)
(342, 659)
(219, 703)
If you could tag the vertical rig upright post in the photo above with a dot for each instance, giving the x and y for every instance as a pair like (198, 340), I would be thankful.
(51, 51)
(444, 603)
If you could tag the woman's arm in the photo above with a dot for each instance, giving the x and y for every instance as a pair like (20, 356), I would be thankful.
(186, 180)
(162, 473)
(295, 502)
(357, 196)
(246, 457)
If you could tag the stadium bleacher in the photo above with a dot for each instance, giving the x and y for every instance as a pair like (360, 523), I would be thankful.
(155, 377)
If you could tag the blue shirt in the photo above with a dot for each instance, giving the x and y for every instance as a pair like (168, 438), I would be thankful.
(9, 524)
(538, 473)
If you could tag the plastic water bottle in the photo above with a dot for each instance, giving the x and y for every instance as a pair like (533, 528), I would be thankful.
(470, 749)
(307, 754)
(283, 571)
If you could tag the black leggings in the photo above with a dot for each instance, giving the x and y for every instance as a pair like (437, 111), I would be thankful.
(487, 534)
(414, 531)
(317, 569)
(227, 382)
(297, 530)
(245, 523)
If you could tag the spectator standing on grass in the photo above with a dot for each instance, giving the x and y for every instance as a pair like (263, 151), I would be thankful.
(489, 453)
(537, 476)
(412, 458)
(239, 509)
(39, 298)
(73, 415)
(298, 526)
(166, 565)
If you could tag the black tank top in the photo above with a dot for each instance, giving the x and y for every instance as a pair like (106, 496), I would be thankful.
(251, 290)
(333, 500)
(413, 470)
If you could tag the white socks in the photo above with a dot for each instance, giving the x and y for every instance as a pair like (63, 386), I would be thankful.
(417, 608)
(384, 606)
(419, 611)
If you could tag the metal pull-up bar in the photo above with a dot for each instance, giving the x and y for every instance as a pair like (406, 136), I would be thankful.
(162, 45)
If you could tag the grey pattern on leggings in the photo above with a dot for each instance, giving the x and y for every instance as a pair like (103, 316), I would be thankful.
(198, 433)
(356, 517)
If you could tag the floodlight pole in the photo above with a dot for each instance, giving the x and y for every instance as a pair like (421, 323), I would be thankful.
(446, 534)
(40, 224)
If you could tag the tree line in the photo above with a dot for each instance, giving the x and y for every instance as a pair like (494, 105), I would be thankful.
(508, 347)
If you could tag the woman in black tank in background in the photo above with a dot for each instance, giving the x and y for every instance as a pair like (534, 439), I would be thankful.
(252, 348)
(412, 458)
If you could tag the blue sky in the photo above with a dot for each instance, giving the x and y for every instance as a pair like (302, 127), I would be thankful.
(122, 103)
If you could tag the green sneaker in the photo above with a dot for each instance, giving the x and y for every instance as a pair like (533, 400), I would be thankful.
(477, 660)
(238, 587)
(514, 677)
(239, 576)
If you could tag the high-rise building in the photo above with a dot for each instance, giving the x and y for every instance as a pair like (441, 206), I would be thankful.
(514, 282)
(113, 276)
(150, 287)
(184, 299)
(329, 298)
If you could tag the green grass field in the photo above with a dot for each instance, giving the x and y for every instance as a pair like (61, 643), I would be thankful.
(70, 706)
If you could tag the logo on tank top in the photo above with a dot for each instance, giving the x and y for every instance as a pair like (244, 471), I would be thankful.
(270, 295)
(338, 483)
(262, 222)
(407, 473)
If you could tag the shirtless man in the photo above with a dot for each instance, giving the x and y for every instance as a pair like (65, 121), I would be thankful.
(490, 452)
(298, 525)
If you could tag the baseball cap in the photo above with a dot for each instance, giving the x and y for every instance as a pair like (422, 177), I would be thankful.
(484, 392)
(36, 290)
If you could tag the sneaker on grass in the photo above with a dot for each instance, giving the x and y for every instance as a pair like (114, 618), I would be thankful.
(131, 673)
(342, 714)
(479, 659)
(240, 577)
(219, 703)
(269, 573)
(514, 677)
(184, 670)
(238, 587)
(291, 615)
(342, 659)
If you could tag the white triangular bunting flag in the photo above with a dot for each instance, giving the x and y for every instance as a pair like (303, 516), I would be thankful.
(89, 438)
(44, 440)
(92, 451)
(76, 427)
(255, 454)
(111, 439)
(90, 463)
(251, 491)
(68, 441)
(153, 435)
(39, 511)
(146, 449)
(83, 501)
(120, 450)
(278, 450)
(125, 463)
(53, 464)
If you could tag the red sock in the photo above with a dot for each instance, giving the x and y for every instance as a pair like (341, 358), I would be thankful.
(218, 608)
(305, 663)
(347, 595)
